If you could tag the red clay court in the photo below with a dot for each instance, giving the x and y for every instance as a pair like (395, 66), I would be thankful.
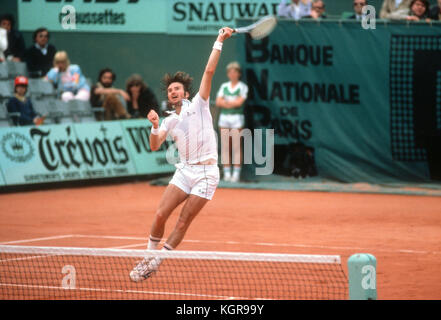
(401, 231)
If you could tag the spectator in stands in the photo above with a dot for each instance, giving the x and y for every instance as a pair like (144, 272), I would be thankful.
(231, 99)
(106, 96)
(142, 98)
(40, 56)
(418, 10)
(294, 9)
(317, 10)
(16, 45)
(391, 6)
(22, 105)
(67, 79)
(3, 43)
(435, 12)
(358, 7)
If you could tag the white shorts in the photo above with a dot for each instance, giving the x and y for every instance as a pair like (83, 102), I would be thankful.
(200, 180)
(231, 121)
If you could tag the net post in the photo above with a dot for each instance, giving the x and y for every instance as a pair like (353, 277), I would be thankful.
(362, 269)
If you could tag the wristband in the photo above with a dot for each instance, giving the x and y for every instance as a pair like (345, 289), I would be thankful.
(155, 131)
(218, 45)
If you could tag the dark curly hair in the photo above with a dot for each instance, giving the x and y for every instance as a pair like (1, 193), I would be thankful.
(134, 80)
(39, 30)
(9, 17)
(425, 3)
(180, 77)
(105, 70)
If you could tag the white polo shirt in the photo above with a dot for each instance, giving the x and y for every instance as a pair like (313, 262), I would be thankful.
(193, 132)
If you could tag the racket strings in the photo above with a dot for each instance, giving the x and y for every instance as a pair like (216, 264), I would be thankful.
(263, 29)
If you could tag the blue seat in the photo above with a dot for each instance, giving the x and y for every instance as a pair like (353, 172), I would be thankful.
(3, 110)
(16, 69)
(40, 87)
(6, 89)
(3, 71)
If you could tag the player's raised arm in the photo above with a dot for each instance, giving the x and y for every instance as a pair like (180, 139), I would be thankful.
(205, 88)
(157, 137)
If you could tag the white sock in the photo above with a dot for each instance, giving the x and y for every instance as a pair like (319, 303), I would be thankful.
(227, 172)
(236, 172)
(167, 247)
(153, 243)
(157, 261)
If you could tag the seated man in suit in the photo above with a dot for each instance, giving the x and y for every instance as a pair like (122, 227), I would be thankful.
(358, 9)
(40, 56)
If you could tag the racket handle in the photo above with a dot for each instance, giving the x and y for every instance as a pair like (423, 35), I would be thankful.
(222, 31)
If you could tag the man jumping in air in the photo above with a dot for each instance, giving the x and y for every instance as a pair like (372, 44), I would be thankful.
(197, 174)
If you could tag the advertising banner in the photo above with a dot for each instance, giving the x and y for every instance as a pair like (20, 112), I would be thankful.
(146, 16)
(186, 17)
(136, 133)
(366, 101)
(54, 153)
(207, 17)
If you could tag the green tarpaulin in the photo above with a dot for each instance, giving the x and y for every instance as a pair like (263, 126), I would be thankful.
(367, 101)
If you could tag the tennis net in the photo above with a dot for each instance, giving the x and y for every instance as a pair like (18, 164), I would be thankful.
(52, 273)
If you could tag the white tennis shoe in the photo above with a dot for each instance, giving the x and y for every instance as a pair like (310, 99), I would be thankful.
(145, 269)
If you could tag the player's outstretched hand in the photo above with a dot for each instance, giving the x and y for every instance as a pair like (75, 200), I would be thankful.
(153, 118)
(224, 33)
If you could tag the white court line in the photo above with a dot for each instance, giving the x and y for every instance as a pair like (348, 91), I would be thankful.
(127, 291)
(144, 244)
(267, 244)
(38, 239)
(308, 246)
(108, 237)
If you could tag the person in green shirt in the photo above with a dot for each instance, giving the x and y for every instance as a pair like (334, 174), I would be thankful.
(230, 99)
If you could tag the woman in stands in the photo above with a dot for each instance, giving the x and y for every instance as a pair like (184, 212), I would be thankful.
(22, 106)
(418, 11)
(142, 98)
(68, 79)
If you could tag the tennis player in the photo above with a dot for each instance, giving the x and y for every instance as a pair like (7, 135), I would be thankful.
(197, 173)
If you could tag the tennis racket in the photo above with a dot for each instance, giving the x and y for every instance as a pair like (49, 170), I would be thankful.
(258, 30)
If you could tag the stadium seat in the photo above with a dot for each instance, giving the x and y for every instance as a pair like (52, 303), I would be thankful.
(3, 110)
(61, 107)
(88, 119)
(6, 89)
(80, 108)
(16, 69)
(60, 111)
(40, 87)
(4, 123)
(82, 111)
(42, 106)
(5, 117)
(3, 71)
